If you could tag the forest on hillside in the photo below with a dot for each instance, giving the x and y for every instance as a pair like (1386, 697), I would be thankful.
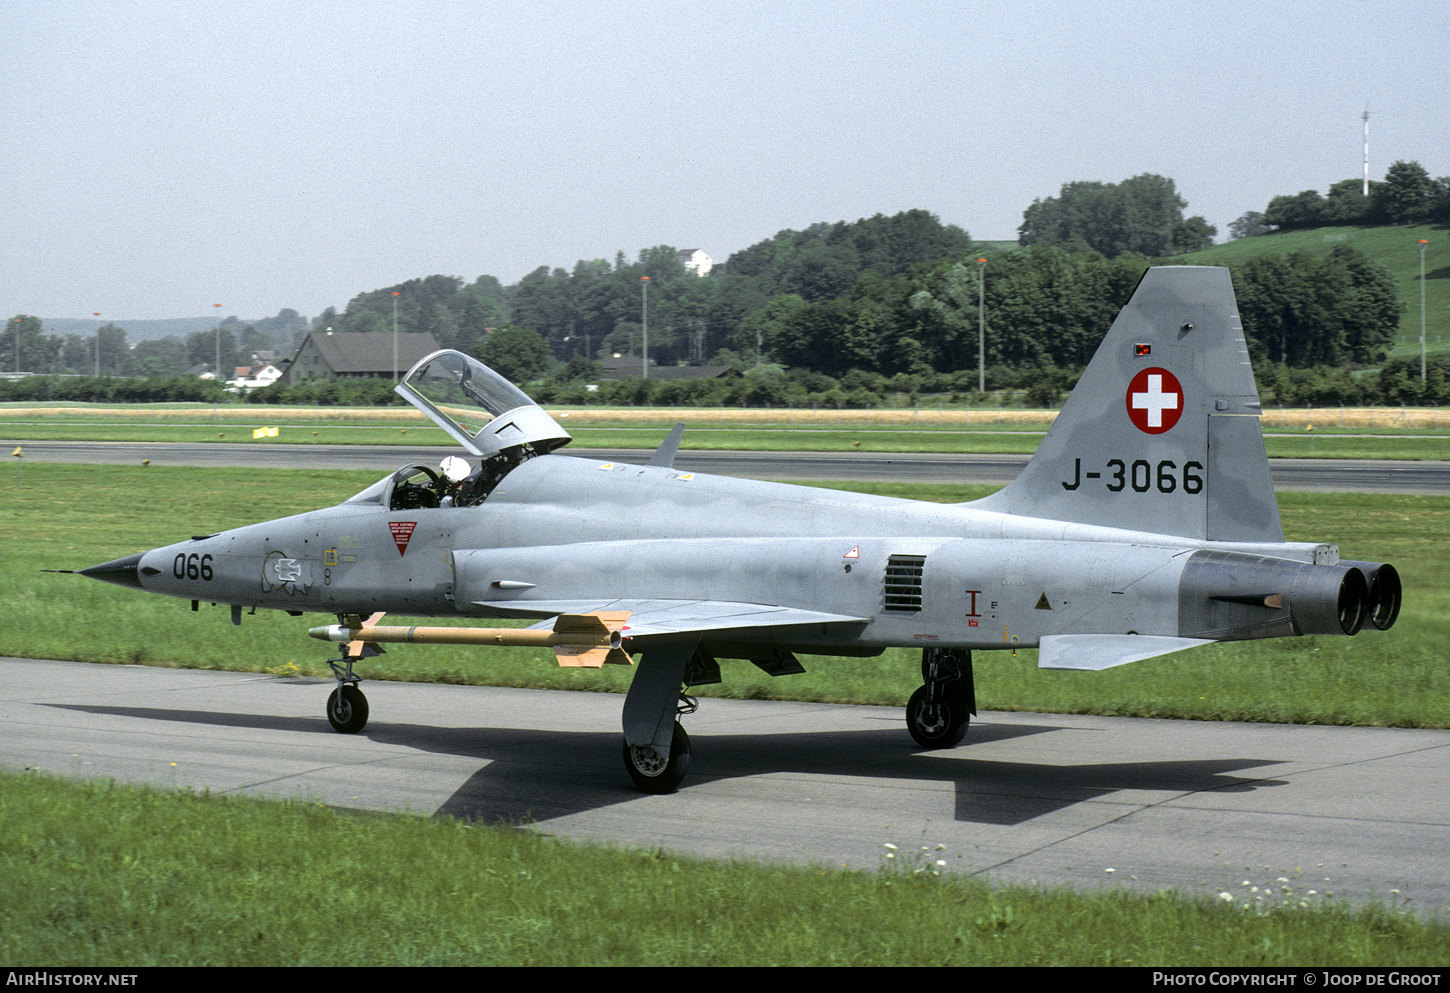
(844, 311)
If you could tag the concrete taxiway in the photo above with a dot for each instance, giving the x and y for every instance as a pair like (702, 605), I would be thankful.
(1203, 808)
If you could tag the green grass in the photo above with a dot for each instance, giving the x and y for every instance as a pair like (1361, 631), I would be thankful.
(91, 881)
(1327, 440)
(1395, 248)
(70, 517)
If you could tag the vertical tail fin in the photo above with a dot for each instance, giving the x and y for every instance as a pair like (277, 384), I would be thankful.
(1161, 433)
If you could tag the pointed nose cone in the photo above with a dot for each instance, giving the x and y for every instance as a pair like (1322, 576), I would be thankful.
(122, 572)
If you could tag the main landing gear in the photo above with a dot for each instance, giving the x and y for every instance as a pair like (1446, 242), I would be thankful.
(940, 710)
(656, 747)
(654, 773)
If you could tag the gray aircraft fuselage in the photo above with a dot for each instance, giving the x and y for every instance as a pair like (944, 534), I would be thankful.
(566, 526)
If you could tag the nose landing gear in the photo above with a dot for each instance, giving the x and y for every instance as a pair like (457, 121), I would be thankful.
(347, 708)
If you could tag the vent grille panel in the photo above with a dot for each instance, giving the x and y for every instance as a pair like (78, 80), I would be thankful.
(902, 583)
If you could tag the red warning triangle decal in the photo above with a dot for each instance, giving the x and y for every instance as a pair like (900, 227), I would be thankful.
(402, 533)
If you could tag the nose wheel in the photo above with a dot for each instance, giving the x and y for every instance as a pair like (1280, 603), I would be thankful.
(347, 708)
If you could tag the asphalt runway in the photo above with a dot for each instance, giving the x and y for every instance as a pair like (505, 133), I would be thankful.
(1199, 807)
(1325, 475)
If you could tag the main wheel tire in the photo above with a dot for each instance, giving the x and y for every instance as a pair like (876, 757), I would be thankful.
(943, 728)
(653, 774)
(347, 710)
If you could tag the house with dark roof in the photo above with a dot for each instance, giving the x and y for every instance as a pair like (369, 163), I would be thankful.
(356, 355)
(696, 261)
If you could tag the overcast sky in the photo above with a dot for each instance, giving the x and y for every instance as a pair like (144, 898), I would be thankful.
(158, 158)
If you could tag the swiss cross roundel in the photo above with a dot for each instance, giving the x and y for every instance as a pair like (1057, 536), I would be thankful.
(1155, 400)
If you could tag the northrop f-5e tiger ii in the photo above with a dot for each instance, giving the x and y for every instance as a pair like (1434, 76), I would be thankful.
(1145, 524)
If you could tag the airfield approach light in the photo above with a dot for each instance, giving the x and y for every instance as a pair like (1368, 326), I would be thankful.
(1423, 243)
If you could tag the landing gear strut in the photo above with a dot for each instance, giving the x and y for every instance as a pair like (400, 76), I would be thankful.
(347, 708)
(940, 710)
(656, 747)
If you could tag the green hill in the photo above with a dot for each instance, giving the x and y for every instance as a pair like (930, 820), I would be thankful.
(1395, 248)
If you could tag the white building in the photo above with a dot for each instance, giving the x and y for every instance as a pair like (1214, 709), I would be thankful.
(253, 378)
(696, 261)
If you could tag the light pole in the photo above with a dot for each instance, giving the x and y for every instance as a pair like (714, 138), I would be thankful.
(395, 336)
(218, 341)
(1423, 243)
(981, 329)
(98, 347)
(644, 289)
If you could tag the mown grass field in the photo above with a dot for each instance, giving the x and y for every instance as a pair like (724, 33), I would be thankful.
(97, 874)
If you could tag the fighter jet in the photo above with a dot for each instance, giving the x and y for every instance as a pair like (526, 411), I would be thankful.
(1145, 524)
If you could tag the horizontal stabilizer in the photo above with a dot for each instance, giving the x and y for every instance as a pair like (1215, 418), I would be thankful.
(1103, 651)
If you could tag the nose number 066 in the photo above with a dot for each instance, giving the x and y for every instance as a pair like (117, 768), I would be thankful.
(191, 566)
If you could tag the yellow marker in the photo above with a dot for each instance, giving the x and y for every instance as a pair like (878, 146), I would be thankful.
(18, 453)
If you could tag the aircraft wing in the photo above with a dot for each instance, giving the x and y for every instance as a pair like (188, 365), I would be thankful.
(665, 617)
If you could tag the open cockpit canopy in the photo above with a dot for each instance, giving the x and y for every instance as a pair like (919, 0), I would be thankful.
(484, 412)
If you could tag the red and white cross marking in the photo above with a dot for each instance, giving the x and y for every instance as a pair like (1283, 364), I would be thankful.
(1155, 400)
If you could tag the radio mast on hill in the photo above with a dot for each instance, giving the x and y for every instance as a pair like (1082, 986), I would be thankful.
(1366, 150)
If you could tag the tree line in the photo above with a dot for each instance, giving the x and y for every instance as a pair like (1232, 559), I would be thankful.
(1407, 195)
(107, 353)
(1396, 384)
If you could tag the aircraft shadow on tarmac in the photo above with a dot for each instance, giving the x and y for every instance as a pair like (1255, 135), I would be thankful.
(538, 775)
